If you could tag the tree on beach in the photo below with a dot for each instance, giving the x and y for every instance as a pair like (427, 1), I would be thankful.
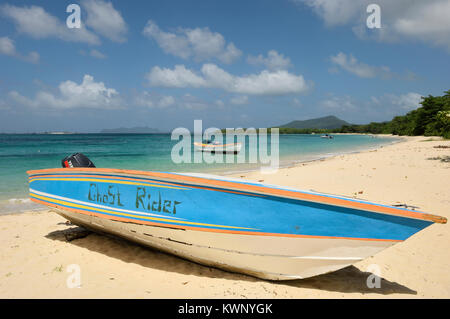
(431, 119)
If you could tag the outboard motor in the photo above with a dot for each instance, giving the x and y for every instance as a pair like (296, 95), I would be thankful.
(77, 160)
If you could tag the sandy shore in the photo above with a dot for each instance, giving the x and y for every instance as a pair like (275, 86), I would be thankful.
(35, 256)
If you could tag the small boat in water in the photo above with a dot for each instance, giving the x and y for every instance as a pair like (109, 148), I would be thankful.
(266, 231)
(215, 147)
(327, 136)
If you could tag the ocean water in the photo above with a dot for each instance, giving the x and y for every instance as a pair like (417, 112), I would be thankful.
(22, 152)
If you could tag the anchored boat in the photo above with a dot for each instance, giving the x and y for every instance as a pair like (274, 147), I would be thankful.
(215, 147)
(266, 231)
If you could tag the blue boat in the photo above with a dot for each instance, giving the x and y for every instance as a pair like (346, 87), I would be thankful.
(266, 231)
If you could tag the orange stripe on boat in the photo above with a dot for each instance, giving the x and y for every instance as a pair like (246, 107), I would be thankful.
(213, 230)
(265, 190)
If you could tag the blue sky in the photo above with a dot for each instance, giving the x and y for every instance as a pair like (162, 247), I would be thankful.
(260, 63)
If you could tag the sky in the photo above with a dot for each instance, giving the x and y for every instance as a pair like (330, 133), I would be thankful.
(253, 63)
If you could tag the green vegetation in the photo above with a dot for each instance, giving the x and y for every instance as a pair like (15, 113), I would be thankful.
(431, 119)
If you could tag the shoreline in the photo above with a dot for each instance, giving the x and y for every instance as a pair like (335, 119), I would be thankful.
(36, 257)
(287, 164)
(294, 163)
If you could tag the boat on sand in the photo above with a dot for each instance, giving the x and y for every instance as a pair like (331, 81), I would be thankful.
(266, 231)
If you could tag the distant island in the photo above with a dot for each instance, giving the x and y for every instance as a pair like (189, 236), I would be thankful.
(131, 130)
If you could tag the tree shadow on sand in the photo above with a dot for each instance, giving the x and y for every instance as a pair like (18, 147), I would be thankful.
(346, 280)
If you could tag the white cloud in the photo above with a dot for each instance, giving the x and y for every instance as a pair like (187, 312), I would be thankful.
(278, 82)
(426, 21)
(352, 65)
(219, 103)
(239, 100)
(179, 77)
(104, 19)
(4, 106)
(342, 103)
(37, 23)
(166, 101)
(409, 101)
(200, 43)
(97, 54)
(336, 12)
(193, 103)
(7, 47)
(273, 61)
(153, 100)
(93, 53)
(32, 57)
(88, 94)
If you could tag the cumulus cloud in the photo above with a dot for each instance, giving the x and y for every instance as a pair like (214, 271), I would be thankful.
(7, 47)
(425, 21)
(337, 12)
(93, 53)
(179, 77)
(4, 106)
(239, 100)
(39, 24)
(193, 103)
(273, 61)
(352, 65)
(278, 82)
(219, 103)
(409, 101)
(339, 103)
(154, 101)
(87, 94)
(104, 19)
(97, 54)
(201, 44)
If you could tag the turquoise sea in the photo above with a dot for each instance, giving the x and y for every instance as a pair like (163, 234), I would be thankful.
(22, 152)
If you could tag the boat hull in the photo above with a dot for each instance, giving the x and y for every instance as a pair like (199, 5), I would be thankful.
(261, 230)
(265, 257)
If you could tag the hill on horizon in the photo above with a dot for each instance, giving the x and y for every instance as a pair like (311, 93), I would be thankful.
(326, 122)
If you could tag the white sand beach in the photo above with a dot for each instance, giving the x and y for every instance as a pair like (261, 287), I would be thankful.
(35, 256)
